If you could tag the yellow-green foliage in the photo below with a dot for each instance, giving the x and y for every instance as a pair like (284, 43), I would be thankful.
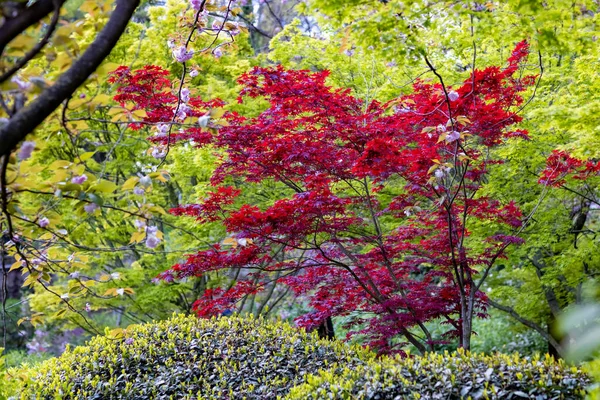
(236, 358)
(188, 358)
(459, 375)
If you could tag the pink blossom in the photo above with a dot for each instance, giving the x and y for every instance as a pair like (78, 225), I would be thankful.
(182, 111)
(182, 54)
(163, 130)
(152, 242)
(453, 136)
(78, 180)
(453, 96)
(185, 95)
(138, 223)
(138, 190)
(21, 83)
(194, 73)
(43, 222)
(196, 4)
(90, 208)
(218, 52)
(158, 152)
(26, 150)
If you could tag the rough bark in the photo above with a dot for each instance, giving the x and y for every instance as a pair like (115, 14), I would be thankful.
(29, 117)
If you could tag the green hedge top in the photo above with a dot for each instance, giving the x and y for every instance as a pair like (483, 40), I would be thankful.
(235, 358)
(460, 375)
(186, 357)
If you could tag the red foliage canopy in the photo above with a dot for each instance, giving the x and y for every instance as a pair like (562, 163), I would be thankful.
(376, 198)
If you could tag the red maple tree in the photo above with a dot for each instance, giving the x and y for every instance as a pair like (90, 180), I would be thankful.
(376, 200)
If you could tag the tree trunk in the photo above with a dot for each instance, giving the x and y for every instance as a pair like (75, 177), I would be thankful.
(552, 332)
(466, 314)
(325, 330)
(14, 281)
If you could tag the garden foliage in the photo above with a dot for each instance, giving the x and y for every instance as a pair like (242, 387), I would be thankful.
(234, 358)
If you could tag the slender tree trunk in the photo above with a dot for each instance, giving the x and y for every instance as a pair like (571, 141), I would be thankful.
(552, 350)
(466, 314)
(325, 330)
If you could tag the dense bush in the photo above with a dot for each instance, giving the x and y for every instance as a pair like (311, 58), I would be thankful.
(225, 358)
(235, 358)
(459, 375)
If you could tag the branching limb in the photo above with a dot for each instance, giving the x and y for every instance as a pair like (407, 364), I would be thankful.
(28, 118)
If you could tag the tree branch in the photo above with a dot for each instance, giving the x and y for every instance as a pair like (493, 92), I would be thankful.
(31, 15)
(28, 118)
(37, 48)
(530, 324)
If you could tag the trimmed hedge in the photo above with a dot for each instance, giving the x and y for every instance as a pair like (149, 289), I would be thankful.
(235, 358)
(459, 375)
(190, 358)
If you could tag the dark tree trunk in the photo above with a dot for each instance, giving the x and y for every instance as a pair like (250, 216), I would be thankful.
(14, 281)
(325, 330)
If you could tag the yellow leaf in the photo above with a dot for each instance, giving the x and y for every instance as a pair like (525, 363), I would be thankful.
(104, 186)
(110, 292)
(35, 320)
(87, 156)
(130, 183)
(137, 237)
(22, 42)
(79, 125)
(158, 209)
(119, 118)
(60, 313)
(116, 110)
(116, 333)
(59, 164)
(463, 120)
(16, 265)
(102, 99)
(63, 61)
(139, 114)
(230, 242)
(104, 69)
(89, 7)
(217, 112)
